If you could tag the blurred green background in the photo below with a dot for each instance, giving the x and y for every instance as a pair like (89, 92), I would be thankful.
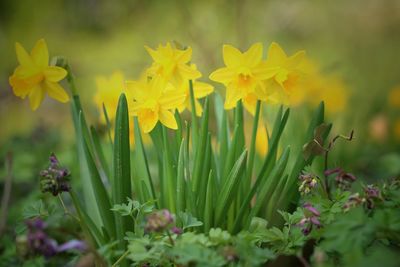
(357, 41)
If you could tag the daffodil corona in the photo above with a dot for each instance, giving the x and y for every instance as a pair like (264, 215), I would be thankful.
(35, 78)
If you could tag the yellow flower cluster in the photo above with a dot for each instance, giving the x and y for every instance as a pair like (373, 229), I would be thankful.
(248, 77)
(166, 87)
(35, 78)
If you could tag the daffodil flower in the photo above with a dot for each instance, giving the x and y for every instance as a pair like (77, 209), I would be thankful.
(34, 77)
(172, 64)
(200, 90)
(154, 100)
(243, 75)
(108, 92)
(287, 73)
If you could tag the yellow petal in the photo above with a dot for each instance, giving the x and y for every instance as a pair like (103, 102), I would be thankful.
(154, 54)
(232, 56)
(250, 102)
(199, 108)
(171, 99)
(40, 54)
(253, 56)
(54, 73)
(167, 118)
(185, 55)
(20, 87)
(23, 57)
(276, 55)
(233, 95)
(223, 75)
(296, 59)
(54, 90)
(188, 73)
(137, 90)
(147, 119)
(201, 89)
(36, 97)
(263, 71)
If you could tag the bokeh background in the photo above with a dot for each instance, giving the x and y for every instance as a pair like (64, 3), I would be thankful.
(356, 43)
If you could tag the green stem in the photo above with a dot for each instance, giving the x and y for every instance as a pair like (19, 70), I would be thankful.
(121, 258)
(250, 163)
(195, 125)
(66, 211)
(71, 80)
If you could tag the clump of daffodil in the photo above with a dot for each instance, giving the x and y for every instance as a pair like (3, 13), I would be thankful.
(35, 78)
(200, 90)
(154, 99)
(172, 64)
(287, 73)
(243, 76)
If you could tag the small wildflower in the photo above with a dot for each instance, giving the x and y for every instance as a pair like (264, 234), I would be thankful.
(39, 243)
(310, 219)
(159, 221)
(372, 193)
(54, 179)
(35, 78)
(353, 201)
(176, 230)
(308, 182)
(230, 254)
(343, 179)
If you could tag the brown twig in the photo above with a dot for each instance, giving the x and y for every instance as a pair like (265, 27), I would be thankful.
(6, 192)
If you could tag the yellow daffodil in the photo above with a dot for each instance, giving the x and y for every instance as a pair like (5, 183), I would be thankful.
(34, 77)
(154, 100)
(394, 97)
(200, 90)
(108, 92)
(172, 64)
(243, 75)
(287, 74)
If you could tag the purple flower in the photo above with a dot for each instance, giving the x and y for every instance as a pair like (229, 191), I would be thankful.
(308, 182)
(40, 243)
(372, 193)
(54, 179)
(310, 219)
(176, 230)
(343, 179)
(159, 221)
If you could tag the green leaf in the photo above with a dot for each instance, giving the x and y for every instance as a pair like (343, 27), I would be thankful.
(229, 188)
(122, 174)
(140, 163)
(82, 133)
(188, 220)
(103, 203)
(269, 185)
